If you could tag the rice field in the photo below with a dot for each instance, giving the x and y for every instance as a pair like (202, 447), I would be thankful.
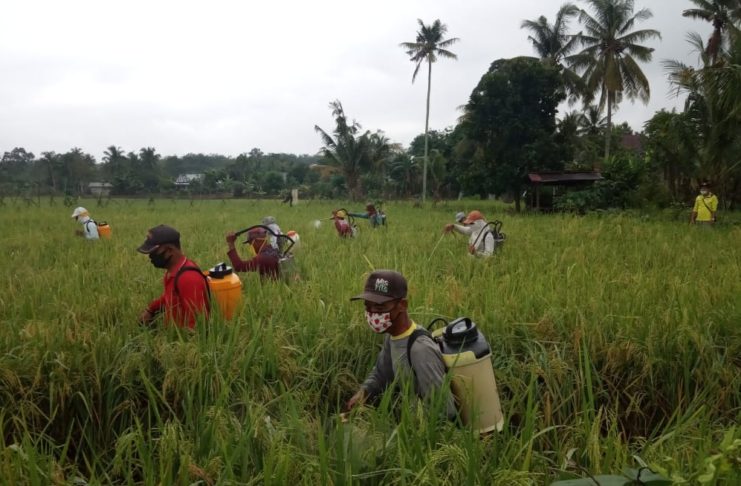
(616, 343)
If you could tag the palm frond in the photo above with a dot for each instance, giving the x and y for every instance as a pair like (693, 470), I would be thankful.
(642, 53)
(448, 42)
(698, 14)
(639, 36)
(640, 16)
(635, 81)
(446, 54)
(416, 70)
(326, 138)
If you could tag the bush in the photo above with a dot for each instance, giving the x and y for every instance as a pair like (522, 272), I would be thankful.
(620, 188)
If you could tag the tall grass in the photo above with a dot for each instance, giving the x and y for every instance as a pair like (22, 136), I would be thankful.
(613, 336)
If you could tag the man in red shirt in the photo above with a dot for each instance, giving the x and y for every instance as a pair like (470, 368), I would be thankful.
(186, 294)
(266, 260)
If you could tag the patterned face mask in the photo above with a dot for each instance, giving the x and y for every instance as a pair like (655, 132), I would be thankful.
(378, 321)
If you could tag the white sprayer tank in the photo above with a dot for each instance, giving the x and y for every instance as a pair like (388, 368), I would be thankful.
(468, 357)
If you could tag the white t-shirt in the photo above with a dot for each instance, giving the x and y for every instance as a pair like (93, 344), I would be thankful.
(90, 228)
(483, 244)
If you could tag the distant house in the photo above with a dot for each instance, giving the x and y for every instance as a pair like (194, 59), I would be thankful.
(632, 142)
(547, 186)
(99, 189)
(184, 180)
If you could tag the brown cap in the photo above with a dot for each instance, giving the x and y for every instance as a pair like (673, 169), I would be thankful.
(473, 216)
(159, 235)
(383, 286)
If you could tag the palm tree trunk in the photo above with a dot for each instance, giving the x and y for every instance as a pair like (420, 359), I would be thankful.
(608, 134)
(427, 125)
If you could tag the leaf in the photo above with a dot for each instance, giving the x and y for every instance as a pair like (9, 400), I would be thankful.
(602, 480)
(709, 474)
(646, 477)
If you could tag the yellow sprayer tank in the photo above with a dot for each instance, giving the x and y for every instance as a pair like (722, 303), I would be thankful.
(104, 230)
(226, 288)
(468, 357)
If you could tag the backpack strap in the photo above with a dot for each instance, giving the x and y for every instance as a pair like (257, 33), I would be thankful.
(191, 268)
(91, 220)
(420, 331)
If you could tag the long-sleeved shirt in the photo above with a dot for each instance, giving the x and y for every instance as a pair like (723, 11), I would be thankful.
(182, 307)
(429, 368)
(343, 228)
(376, 219)
(479, 244)
(267, 262)
(90, 228)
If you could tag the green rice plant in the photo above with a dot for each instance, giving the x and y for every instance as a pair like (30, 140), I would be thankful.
(614, 336)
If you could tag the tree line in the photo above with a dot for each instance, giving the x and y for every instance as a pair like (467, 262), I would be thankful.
(590, 55)
(511, 126)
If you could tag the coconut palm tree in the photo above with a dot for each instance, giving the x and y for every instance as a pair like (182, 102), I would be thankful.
(612, 50)
(405, 170)
(115, 160)
(552, 42)
(722, 14)
(591, 122)
(428, 46)
(713, 106)
(345, 148)
(380, 154)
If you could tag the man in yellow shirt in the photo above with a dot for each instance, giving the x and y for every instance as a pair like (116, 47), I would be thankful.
(706, 205)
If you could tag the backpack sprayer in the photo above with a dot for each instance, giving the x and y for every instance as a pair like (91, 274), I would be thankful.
(379, 217)
(493, 228)
(467, 355)
(285, 245)
(223, 285)
(104, 229)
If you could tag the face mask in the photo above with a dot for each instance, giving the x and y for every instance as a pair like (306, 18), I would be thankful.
(379, 322)
(159, 260)
(704, 192)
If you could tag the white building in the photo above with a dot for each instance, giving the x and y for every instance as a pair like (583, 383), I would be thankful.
(100, 188)
(184, 180)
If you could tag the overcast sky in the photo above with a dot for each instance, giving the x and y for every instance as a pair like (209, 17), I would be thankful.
(227, 76)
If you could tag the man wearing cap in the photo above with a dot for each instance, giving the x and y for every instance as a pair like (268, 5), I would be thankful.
(186, 294)
(343, 227)
(266, 260)
(481, 241)
(90, 228)
(706, 205)
(386, 313)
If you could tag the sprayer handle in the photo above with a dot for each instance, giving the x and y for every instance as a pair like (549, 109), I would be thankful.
(435, 321)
